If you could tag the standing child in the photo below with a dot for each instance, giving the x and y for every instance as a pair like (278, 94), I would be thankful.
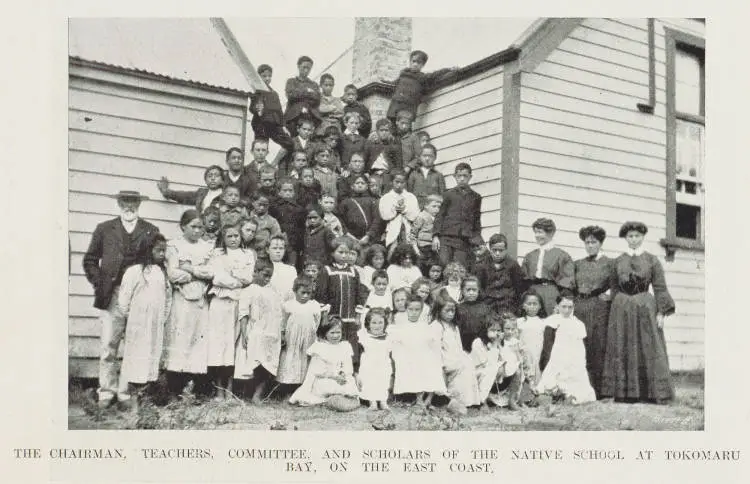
(421, 231)
(424, 137)
(268, 116)
(417, 345)
(473, 314)
(145, 299)
(260, 331)
(248, 229)
(355, 168)
(379, 148)
(339, 285)
(323, 172)
(402, 271)
(458, 222)
(283, 274)
(501, 278)
(301, 318)
(318, 238)
(303, 97)
(302, 141)
(331, 371)
(352, 105)
(458, 368)
(398, 209)
(332, 139)
(421, 289)
(211, 218)
(331, 108)
(351, 141)
(400, 298)
(202, 197)
(268, 226)
(405, 154)
(374, 260)
(563, 360)
(531, 327)
(375, 186)
(309, 189)
(299, 161)
(425, 180)
(291, 217)
(233, 269)
(311, 268)
(231, 209)
(375, 370)
(380, 296)
(328, 204)
(267, 183)
(359, 212)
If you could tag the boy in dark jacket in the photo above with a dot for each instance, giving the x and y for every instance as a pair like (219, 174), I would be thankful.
(352, 105)
(203, 196)
(317, 236)
(351, 141)
(268, 116)
(291, 217)
(359, 213)
(458, 222)
(309, 190)
(412, 84)
(426, 180)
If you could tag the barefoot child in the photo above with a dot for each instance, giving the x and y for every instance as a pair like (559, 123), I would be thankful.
(516, 368)
(531, 327)
(145, 299)
(330, 371)
(260, 331)
(375, 369)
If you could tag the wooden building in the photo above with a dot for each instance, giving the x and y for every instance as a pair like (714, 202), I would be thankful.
(128, 127)
(589, 121)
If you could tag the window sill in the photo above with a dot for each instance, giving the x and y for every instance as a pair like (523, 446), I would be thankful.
(672, 244)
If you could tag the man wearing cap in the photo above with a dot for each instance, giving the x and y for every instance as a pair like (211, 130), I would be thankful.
(113, 249)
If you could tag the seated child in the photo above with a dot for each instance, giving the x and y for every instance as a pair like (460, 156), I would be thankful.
(425, 180)
(309, 189)
(412, 84)
(400, 298)
(485, 352)
(472, 314)
(398, 209)
(421, 289)
(421, 231)
(330, 371)
(328, 204)
(434, 274)
(248, 229)
(303, 97)
(267, 184)
(501, 277)
(202, 197)
(318, 238)
(268, 116)
(563, 360)
(331, 108)
(352, 105)
(380, 296)
(332, 139)
(291, 217)
(302, 141)
(375, 186)
(479, 255)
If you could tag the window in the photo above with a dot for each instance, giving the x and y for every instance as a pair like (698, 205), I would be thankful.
(686, 110)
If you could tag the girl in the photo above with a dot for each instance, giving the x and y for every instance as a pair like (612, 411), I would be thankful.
(398, 209)
(403, 272)
(301, 318)
(400, 298)
(416, 345)
(485, 353)
(359, 212)
(330, 371)
(233, 269)
(309, 190)
(339, 285)
(421, 289)
(458, 368)
(374, 260)
(144, 299)
(248, 229)
(635, 362)
(531, 327)
(380, 296)
(434, 274)
(548, 270)
(260, 330)
(186, 349)
(318, 236)
(375, 187)
(472, 315)
(453, 275)
(283, 274)
(563, 361)
(375, 370)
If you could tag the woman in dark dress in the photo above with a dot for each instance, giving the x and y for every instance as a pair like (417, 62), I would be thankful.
(592, 275)
(636, 367)
(554, 273)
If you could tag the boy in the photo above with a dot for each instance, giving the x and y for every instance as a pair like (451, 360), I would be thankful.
(291, 218)
(458, 222)
(351, 140)
(268, 117)
(268, 227)
(230, 207)
(323, 172)
(359, 212)
(405, 156)
(259, 150)
(398, 209)
(377, 146)
(331, 108)
(328, 204)
(501, 278)
(352, 105)
(309, 190)
(236, 175)
(317, 237)
(202, 197)
(303, 97)
(412, 84)
(426, 180)
(424, 137)
(302, 141)
(421, 231)
(299, 161)
(267, 183)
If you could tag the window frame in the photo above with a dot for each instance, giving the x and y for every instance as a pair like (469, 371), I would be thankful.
(676, 39)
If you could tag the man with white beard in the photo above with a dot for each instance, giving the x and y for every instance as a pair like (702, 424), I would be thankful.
(113, 248)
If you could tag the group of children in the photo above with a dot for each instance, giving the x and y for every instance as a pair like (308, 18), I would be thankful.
(343, 270)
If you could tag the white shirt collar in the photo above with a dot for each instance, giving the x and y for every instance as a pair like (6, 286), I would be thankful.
(129, 226)
(302, 142)
(351, 133)
(425, 171)
(635, 252)
(549, 245)
(233, 177)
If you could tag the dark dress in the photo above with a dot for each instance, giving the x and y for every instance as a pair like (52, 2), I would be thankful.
(635, 361)
(558, 275)
(592, 280)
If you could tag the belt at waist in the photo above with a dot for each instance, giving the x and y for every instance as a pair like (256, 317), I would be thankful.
(594, 293)
(543, 282)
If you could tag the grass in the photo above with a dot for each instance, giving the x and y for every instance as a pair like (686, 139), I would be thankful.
(685, 412)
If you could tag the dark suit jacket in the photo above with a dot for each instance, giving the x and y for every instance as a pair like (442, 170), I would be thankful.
(188, 197)
(104, 262)
(459, 215)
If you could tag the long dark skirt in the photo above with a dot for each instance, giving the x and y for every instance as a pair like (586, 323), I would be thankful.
(548, 293)
(594, 313)
(635, 361)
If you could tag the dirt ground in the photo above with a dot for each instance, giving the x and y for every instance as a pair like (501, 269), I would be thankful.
(684, 413)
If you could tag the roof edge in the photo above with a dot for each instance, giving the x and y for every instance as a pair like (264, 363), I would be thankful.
(508, 55)
(81, 62)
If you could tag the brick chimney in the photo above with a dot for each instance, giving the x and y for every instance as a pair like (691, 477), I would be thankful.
(381, 50)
